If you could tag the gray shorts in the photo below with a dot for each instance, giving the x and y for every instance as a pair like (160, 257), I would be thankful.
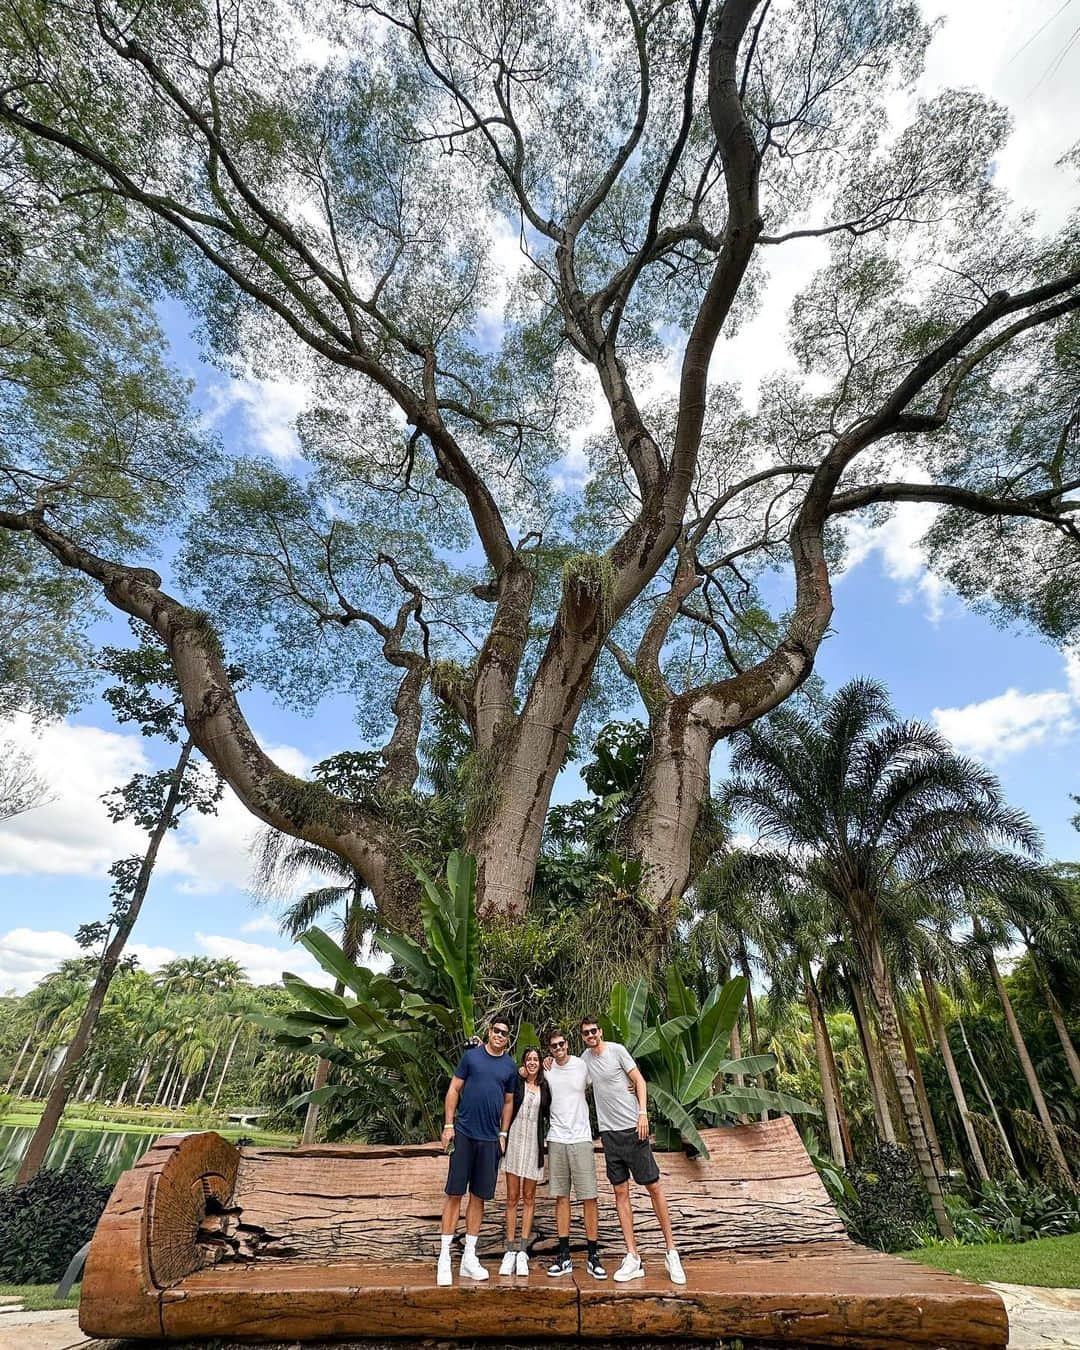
(572, 1164)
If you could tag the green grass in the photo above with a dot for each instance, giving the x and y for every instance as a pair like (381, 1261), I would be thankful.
(39, 1297)
(169, 1122)
(1052, 1263)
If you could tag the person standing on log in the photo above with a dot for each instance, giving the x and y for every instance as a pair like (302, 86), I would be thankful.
(481, 1093)
(570, 1155)
(523, 1164)
(621, 1097)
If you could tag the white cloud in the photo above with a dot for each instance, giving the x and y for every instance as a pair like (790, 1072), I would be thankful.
(73, 834)
(27, 954)
(1013, 721)
(264, 923)
(268, 410)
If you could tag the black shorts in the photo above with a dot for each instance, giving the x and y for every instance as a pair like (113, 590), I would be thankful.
(474, 1167)
(626, 1156)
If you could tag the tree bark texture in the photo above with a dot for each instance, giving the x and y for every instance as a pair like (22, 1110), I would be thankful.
(912, 1056)
(1030, 1075)
(828, 1091)
(54, 1107)
(933, 1004)
(878, 1095)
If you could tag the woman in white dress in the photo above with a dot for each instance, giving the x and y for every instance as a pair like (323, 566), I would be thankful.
(523, 1162)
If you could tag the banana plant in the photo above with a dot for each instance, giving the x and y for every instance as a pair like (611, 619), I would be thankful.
(393, 1027)
(682, 1049)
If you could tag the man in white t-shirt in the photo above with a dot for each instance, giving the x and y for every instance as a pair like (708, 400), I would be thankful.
(571, 1160)
(621, 1097)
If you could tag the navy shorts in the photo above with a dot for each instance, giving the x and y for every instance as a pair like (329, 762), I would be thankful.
(474, 1166)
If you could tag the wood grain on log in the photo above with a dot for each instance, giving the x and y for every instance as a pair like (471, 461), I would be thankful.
(202, 1239)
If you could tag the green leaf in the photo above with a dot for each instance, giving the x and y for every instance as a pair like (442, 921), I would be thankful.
(334, 961)
(678, 1115)
(722, 1016)
(747, 1101)
(415, 960)
(681, 1002)
(620, 1025)
(636, 999)
(318, 1000)
(317, 1096)
(748, 1064)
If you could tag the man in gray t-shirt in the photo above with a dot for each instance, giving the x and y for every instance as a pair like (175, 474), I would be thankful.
(621, 1098)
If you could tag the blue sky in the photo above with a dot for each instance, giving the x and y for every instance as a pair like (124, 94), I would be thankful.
(1005, 696)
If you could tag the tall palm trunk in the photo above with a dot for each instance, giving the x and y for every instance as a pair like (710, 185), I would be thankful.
(164, 1083)
(144, 1074)
(54, 1107)
(878, 1094)
(18, 1063)
(921, 1094)
(880, 986)
(1024, 1057)
(828, 1097)
(933, 1004)
(988, 1096)
(322, 1072)
(225, 1066)
(751, 1016)
(209, 1070)
(1057, 1017)
(841, 1114)
(30, 1069)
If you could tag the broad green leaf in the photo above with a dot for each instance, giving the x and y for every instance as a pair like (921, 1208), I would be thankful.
(673, 1111)
(318, 1000)
(636, 1000)
(318, 1096)
(716, 1024)
(748, 1064)
(681, 1002)
(617, 1014)
(415, 960)
(333, 960)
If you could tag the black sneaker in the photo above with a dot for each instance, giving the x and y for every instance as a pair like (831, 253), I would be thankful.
(562, 1265)
(595, 1267)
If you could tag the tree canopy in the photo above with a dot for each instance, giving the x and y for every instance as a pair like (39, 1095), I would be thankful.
(330, 192)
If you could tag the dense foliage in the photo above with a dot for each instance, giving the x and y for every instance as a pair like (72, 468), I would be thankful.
(44, 1223)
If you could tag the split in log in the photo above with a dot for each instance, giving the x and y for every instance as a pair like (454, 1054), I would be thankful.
(203, 1239)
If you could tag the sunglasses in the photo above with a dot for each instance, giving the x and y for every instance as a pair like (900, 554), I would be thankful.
(590, 1031)
(557, 1045)
(500, 1031)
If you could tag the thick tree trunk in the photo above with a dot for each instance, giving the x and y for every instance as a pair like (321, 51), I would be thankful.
(225, 1067)
(878, 1095)
(1029, 1069)
(923, 1097)
(878, 981)
(933, 1004)
(54, 1107)
(828, 1098)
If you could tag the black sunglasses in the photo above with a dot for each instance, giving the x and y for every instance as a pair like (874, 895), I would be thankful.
(557, 1045)
(500, 1031)
(590, 1031)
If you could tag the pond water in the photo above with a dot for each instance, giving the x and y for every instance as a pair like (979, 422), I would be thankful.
(115, 1150)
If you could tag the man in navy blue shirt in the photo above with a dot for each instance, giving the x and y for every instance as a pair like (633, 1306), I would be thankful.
(481, 1092)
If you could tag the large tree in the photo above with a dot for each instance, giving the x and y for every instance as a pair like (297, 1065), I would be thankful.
(325, 190)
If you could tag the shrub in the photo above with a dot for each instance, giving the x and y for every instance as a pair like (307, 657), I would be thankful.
(44, 1223)
(1017, 1210)
(889, 1206)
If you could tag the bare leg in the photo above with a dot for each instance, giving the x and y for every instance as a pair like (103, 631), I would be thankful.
(626, 1215)
(451, 1212)
(592, 1219)
(513, 1198)
(562, 1215)
(528, 1190)
(474, 1215)
(659, 1204)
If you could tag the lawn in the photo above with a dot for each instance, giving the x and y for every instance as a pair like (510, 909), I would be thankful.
(28, 1118)
(39, 1297)
(1053, 1263)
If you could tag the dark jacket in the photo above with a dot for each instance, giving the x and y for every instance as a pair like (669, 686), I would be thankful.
(541, 1120)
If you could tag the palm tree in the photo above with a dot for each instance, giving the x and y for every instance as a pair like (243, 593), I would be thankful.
(279, 863)
(882, 817)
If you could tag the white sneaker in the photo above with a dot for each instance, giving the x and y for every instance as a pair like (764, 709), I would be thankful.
(631, 1269)
(522, 1263)
(444, 1273)
(674, 1267)
(509, 1261)
(471, 1269)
